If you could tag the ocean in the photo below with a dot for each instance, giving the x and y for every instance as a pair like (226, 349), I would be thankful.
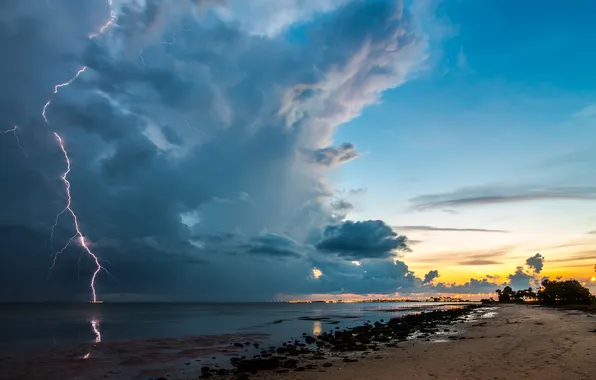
(40, 325)
(139, 334)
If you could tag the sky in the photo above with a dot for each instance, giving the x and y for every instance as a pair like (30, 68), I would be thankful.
(270, 150)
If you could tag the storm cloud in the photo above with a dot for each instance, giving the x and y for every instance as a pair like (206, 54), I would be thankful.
(475, 285)
(536, 262)
(430, 276)
(520, 279)
(371, 239)
(179, 108)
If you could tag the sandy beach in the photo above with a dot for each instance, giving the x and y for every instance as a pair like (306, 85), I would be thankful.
(520, 342)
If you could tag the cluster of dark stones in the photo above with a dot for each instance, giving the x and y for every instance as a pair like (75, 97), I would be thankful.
(373, 336)
(365, 339)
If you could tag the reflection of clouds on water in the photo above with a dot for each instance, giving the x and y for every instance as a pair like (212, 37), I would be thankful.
(317, 327)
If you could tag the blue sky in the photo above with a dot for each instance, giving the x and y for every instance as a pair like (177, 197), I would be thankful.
(505, 102)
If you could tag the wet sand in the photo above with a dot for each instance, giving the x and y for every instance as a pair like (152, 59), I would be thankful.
(176, 358)
(520, 342)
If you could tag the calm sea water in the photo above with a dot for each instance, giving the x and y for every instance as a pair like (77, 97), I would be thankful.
(26, 326)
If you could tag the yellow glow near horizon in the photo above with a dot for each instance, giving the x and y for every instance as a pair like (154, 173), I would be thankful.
(568, 256)
(461, 275)
(357, 263)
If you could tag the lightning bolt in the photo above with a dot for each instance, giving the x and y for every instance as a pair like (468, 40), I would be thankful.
(57, 88)
(171, 42)
(107, 24)
(68, 208)
(13, 130)
(52, 239)
(101, 31)
(75, 219)
(141, 56)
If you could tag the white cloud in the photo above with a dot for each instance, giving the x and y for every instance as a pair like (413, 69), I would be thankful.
(271, 17)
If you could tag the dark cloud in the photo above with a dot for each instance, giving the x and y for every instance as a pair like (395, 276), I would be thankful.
(352, 191)
(342, 205)
(371, 277)
(478, 262)
(592, 232)
(171, 135)
(155, 141)
(371, 239)
(520, 279)
(446, 229)
(536, 262)
(333, 156)
(473, 286)
(274, 245)
(430, 276)
(341, 208)
(494, 195)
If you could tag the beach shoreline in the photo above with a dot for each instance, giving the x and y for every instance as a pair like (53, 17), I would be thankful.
(520, 342)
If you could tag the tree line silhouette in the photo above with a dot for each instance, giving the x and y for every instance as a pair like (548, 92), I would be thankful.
(552, 292)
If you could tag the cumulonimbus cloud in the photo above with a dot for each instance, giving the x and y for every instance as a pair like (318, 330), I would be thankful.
(176, 112)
